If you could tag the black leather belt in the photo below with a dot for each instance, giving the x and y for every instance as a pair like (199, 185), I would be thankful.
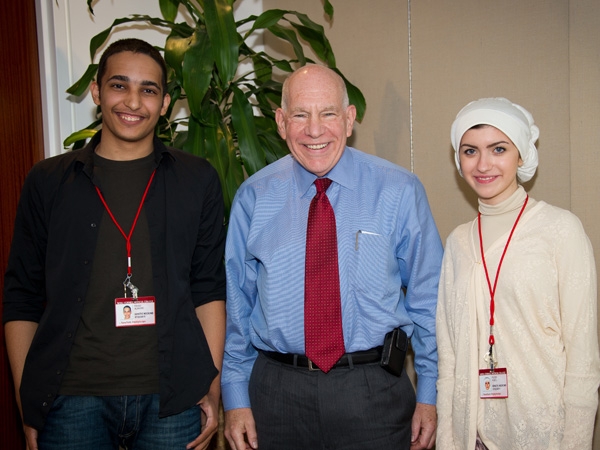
(347, 359)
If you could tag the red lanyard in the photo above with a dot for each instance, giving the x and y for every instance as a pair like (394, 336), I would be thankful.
(127, 236)
(493, 290)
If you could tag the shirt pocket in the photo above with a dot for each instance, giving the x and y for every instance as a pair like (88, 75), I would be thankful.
(371, 264)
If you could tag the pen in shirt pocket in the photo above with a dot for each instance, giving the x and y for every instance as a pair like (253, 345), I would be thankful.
(359, 232)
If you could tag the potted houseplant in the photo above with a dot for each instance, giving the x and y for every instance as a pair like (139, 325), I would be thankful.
(231, 114)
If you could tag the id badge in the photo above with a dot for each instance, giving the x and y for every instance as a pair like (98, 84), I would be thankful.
(493, 384)
(135, 312)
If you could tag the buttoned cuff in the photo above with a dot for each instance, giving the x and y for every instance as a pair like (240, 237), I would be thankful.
(235, 395)
(426, 390)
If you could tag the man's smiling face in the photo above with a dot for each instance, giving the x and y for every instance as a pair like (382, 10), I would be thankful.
(314, 121)
(130, 97)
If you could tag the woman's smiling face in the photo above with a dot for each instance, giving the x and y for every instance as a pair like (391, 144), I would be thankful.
(489, 161)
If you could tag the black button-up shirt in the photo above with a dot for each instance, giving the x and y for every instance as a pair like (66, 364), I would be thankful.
(50, 265)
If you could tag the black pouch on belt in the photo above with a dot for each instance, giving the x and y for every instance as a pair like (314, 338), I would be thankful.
(395, 345)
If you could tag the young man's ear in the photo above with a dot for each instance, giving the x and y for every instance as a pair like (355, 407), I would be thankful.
(95, 90)
(165, 105)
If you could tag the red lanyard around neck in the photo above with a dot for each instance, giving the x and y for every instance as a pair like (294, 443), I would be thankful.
(493, 290)
(137, 215)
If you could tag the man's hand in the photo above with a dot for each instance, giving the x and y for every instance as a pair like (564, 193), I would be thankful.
(19, 335)
(31, 436)
(210, 422)
(212, 319)
(424, 422)
(240, 429)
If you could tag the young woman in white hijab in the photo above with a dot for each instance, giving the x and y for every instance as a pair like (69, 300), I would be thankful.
(516, 324)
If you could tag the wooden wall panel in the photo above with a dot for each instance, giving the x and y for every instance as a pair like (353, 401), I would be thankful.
(21, 145)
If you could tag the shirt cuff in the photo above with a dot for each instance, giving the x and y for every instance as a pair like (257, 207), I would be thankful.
(235, 395)
(426, 390)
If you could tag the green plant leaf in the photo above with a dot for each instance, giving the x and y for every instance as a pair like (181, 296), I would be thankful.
(263, 69)
(80, 135)
(235, 173)
(268, 97)
(98, 40)
(231, 121)
(356, 97)
(194, 143)
(168, 9)
(231, 174)
(314, 34)
(328, 8)
(180, 139)
(265, 20)
(223, 34)
(197, 71)
(216, 145)
(174, 90)
(275, 147)
(183, 29)
(242, 117)
(289, 35)
(308, 23)
(175, 48)
(283, 65)
(83, 83)
(318, 42)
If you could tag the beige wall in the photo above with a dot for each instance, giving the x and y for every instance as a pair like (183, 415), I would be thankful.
(543, 54)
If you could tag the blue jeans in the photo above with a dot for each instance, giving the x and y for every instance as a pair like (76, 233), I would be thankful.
(105, 423)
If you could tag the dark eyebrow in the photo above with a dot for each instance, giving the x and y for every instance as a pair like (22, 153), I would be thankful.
(150, 83)
(119, 78)
(495, 144)
(126, 79)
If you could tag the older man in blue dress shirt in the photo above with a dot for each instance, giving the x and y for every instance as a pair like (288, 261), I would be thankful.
(389, 254)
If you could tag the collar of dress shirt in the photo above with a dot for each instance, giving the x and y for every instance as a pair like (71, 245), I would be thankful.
(342, 173)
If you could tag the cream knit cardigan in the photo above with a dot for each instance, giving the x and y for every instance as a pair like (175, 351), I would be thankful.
(545, 331)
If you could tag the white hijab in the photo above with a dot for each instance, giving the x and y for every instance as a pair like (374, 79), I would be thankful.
(513, 120)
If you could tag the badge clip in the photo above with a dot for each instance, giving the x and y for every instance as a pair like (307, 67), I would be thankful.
(128, 284)
(490, 359)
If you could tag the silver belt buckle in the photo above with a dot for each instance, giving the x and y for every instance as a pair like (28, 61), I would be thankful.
(312, 368)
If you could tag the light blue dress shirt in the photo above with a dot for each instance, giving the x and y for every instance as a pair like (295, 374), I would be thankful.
(389, 260)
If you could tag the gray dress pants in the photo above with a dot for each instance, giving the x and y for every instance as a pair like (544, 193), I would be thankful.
(358, 408)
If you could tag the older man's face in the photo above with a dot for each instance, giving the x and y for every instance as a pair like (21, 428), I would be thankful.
(315, 124)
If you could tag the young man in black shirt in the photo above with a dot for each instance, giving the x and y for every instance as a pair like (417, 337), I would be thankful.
(125, 221)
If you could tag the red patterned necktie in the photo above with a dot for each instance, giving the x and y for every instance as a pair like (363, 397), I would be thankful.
(323, 336)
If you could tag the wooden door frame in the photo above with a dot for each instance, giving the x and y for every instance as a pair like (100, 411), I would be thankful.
(21, 145)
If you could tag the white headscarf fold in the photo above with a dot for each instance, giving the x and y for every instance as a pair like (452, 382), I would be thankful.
(513, 120)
